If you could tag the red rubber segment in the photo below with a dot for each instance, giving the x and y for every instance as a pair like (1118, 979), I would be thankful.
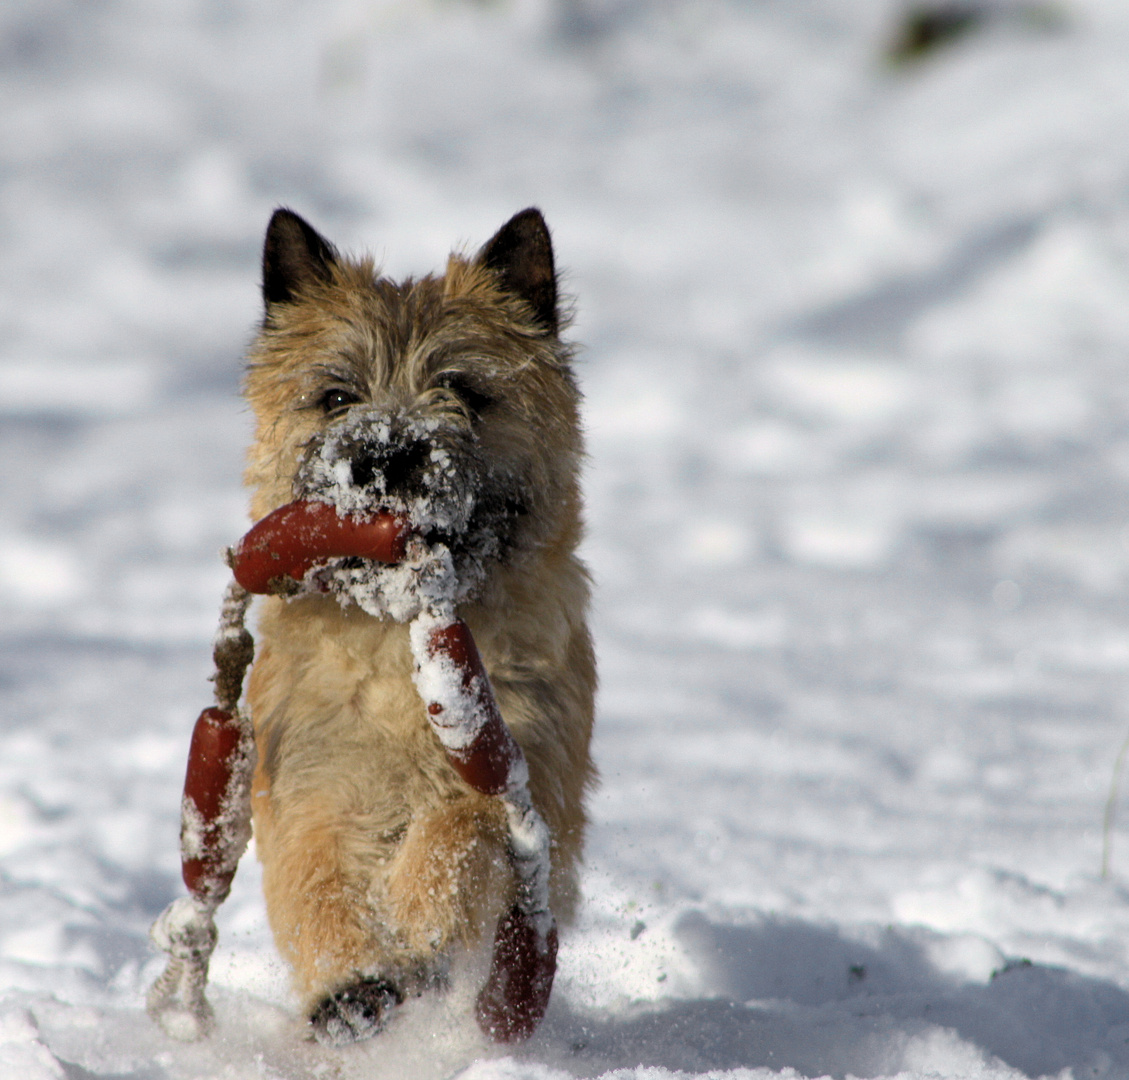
(291, 539)
(487, 762)
(213, 757)
(516, 994)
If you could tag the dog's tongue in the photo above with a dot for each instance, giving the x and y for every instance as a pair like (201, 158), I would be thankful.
(291, 539)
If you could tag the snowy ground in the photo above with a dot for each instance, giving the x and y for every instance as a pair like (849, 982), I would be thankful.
(857, 342)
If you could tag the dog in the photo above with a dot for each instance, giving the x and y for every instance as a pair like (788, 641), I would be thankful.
(379, 863)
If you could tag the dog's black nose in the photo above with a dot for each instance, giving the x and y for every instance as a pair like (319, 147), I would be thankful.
(395, 464)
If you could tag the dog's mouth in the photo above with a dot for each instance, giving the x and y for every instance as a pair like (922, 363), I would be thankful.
(430, 474)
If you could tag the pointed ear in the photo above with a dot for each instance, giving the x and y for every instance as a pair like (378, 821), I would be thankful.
(521, 255)
(294, 256)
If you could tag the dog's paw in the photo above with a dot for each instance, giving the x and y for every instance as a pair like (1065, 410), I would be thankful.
(355, 1012)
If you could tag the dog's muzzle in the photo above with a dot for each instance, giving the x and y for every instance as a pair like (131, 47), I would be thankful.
(426, 473)
(373, 460)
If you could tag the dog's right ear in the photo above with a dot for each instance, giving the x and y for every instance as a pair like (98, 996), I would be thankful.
(295, 255)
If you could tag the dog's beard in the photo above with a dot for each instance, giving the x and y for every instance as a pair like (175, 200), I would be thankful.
(430, 472)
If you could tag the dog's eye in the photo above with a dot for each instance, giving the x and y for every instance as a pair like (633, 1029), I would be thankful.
(469, 394)
(336, 399)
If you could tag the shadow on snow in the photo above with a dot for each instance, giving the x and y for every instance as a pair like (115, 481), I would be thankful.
(791, 994)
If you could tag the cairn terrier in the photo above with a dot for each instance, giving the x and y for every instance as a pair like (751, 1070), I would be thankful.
(379, 862)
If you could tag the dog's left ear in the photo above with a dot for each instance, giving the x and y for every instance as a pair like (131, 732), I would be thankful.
(521, 255)
(295, 255)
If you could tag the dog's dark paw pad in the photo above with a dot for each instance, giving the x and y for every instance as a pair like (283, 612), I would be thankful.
(355, 1012)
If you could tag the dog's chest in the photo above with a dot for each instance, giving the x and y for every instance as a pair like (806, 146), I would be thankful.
(334, 677)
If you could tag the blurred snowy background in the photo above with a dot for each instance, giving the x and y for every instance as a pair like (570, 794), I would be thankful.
(856, 359)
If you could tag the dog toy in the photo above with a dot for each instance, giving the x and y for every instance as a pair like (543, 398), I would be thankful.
(215, 825)
(289, 541)
(452, 681)
(274, 557)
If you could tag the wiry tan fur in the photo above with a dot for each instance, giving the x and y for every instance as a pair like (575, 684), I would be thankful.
(378, 859)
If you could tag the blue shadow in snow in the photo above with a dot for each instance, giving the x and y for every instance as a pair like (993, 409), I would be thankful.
(823, 1004)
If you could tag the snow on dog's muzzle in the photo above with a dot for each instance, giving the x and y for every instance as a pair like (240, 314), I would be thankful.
(373, 460)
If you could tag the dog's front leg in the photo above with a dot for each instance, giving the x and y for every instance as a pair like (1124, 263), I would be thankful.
(321, 914)
(444, 882)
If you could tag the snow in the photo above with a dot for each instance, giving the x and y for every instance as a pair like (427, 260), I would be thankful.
(855, 345)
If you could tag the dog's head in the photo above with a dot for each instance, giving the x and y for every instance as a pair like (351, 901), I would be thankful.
(450, 399)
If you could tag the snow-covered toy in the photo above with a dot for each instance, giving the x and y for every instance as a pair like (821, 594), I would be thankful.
(280, 555)
(215, 825)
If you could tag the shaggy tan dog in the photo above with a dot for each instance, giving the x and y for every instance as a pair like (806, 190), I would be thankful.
(378, 859)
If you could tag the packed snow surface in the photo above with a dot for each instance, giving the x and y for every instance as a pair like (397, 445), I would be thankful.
(856, 355)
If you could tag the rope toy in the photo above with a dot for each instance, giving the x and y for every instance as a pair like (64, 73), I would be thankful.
(274, 557)
(215, 826)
